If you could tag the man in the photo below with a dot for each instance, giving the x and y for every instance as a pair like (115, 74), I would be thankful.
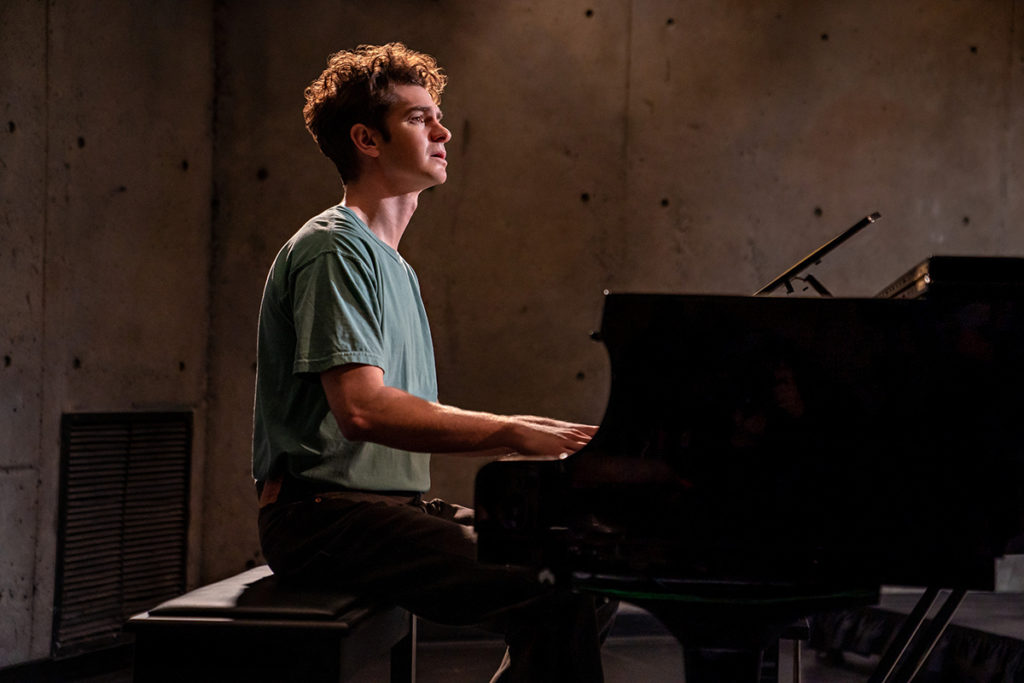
(346, 407)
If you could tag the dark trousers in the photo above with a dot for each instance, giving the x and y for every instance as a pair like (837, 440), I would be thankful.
(422, 556)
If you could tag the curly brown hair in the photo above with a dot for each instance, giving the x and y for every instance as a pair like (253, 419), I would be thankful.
(356, 88)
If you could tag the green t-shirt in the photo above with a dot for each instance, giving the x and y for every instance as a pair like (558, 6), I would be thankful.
(337, 294)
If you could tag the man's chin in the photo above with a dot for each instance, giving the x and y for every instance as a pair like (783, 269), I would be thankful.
(432, 180)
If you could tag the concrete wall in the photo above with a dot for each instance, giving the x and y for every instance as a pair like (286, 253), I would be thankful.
(769, 127)
(22, 198)
(631, 145)
(105, 192)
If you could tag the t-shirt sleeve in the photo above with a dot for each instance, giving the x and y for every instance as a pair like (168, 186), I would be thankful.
(337, 314)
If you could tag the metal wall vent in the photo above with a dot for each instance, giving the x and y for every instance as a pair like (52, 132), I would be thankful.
(123, 531)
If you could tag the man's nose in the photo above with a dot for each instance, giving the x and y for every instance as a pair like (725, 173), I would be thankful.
(442, 134)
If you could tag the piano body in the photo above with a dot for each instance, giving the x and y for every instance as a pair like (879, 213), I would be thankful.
(763, 459)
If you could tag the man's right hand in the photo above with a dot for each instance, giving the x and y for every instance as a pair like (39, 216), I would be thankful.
(547, 436)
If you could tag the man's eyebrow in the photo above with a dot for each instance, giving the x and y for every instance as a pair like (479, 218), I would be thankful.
(432, 111)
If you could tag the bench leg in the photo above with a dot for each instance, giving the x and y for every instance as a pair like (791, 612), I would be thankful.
(403, 656)
(797, 674)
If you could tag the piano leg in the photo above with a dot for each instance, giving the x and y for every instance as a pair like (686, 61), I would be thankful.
(725, 628)
(708, 665)
(908, 651)
(719, 648)
(727, 642)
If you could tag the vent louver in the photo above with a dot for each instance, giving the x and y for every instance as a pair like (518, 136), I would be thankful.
(123, 523)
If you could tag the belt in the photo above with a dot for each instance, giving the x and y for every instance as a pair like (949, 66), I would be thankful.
(288, 489)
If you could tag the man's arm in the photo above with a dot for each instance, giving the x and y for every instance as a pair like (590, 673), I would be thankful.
(368, 410)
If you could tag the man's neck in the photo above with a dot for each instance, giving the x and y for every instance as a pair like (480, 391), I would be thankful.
(386, 216)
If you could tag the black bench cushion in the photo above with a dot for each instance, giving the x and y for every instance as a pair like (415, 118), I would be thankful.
(258, 594)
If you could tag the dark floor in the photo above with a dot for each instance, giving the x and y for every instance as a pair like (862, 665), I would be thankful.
(635, 653)
(988, 626)
(630, 659)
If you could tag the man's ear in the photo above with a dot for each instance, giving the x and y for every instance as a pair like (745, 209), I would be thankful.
(365, 139)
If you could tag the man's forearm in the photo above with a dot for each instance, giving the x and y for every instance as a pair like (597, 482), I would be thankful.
(400, 420)
(366, 410)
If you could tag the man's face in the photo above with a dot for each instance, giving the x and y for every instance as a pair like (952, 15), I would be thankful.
(414, 158)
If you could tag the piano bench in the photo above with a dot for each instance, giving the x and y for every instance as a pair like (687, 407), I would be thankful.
(252, 628)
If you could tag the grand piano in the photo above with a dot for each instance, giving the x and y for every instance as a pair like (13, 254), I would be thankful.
(762, 459)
